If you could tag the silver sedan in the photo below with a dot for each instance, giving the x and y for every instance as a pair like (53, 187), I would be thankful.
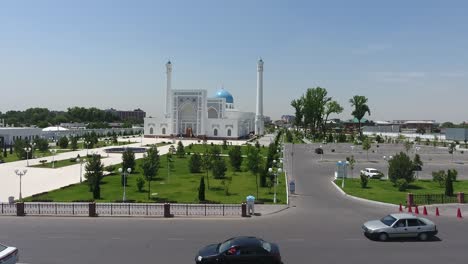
(400, 225)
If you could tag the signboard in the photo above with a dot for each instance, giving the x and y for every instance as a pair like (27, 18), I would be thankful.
(292, 186)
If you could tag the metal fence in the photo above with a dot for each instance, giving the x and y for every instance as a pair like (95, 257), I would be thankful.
(129, 209)
(206, 209)
(8, 209)
(122, 209)
(78, 209)
(420, 199)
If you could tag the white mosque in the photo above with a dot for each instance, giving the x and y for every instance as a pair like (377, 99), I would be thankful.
(191, 113)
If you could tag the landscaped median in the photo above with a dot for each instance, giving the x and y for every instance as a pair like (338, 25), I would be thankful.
(385, 191)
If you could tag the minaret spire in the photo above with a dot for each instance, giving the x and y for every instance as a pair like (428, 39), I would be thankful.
(168, 88)
(259, 125)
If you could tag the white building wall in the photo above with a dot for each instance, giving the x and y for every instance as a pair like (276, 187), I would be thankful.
(155, 126)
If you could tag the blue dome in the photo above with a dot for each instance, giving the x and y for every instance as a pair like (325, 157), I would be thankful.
(225, 94)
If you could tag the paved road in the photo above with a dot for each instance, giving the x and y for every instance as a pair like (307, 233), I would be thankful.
(321, 226)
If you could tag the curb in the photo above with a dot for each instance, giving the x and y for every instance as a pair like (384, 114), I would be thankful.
(361, 199)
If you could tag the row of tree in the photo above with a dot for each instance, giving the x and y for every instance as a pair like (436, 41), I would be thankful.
(314, 107)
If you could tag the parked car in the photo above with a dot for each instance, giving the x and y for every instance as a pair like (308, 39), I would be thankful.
(8, 255)
(372, 173)
(240, 250)
(400, 225)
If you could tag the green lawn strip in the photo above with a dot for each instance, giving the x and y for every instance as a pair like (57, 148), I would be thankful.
(384, 191)
(37, 155)
(199, 148)
(182, 187)
(58, 164)
(102, 144)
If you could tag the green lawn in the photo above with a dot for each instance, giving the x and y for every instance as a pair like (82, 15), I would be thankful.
(199, 148)
(37, 154)
(181, 187)
(57, 164)
(101, 144)
(384, 191)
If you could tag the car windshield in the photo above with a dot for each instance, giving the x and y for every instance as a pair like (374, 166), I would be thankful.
(266, 246)
(388, 220)
(224, 246)
(374, 171)
(2, 247)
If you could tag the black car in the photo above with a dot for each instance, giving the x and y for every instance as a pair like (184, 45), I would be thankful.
(240, 250)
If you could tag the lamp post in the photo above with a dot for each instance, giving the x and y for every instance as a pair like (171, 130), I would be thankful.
(275, 173)
(387, 158)
(321, 155)
(20, 174)
(53, 157)
(86, 143)
(81, 167)
(125, 172)
(27, 149)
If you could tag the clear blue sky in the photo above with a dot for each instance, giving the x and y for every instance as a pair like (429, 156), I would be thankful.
(408, 57)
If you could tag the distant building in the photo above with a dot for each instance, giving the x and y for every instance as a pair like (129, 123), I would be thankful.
(73, 125)
(460, 134)
(289, 119)
(414, 125)
(136, 114)
(8, 135)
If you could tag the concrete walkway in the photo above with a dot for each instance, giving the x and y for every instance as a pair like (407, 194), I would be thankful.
(39, 180)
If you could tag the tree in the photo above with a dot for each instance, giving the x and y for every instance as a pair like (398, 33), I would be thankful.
(219, 168)
(180, 150)
(225, 145)
(206, 163)
(417, 162)
(74, 143)
(201, 190)
(235, 157)
(351, 161)
(94, 174)
(407, 146)
(366, 145)
(19, 146)
(439, 177)
(63, 142)
(314, 101)
(128, 159)
(401, 167)
(298, 105)
(449, 184)
(195, 163)
(331, 107)
(150, 166)
(451, 148)
(359, 103)
(254, 163)
(140, 183)
(41, 144)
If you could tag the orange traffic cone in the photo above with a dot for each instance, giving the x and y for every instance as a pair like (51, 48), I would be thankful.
(437, 211)
(401, 208)
(459, 215)
(416, 210)
(424, 211)
(409, 209)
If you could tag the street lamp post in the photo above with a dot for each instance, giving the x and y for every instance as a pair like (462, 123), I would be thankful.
(275, 173)
(53, 157)
(20, 174)
(27, 149)
(128, 170)
(387, 158)
(81, 167)
(87, 145)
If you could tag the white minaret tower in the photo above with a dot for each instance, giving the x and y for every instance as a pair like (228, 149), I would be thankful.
(168, 88)
(259, 113)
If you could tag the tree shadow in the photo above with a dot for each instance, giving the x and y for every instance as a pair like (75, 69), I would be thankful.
(414, 187)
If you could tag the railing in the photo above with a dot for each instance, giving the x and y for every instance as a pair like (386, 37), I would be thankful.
(129, 209)
(206, 209)
(78, 209)
(420, 199)
(8, 209)
(119, 209)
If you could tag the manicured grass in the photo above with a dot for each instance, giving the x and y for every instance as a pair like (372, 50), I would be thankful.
(37, 155)
(384, 191)
(58, 164)
(101, 144)
(182, 187)
(199, 148)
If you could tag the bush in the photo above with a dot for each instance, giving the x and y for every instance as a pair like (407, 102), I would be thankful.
(72, 159)
(401, 167)
(364, 180)
(140, 183)
(402, 184)
(63, 142)
(195, 163)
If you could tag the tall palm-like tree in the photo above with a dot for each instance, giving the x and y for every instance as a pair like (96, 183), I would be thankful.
(359, 103)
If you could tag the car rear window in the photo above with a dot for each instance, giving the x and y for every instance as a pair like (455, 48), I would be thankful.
(2, 247)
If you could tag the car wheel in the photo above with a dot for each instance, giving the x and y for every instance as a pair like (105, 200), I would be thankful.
(423, 236)
(383, 236)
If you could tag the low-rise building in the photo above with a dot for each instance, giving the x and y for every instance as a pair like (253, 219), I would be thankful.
(460, 134)
(8, 135)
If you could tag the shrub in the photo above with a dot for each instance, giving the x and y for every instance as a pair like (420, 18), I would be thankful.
(453, 173)
(364, 180)
(449, 184)
(72, 159)
(140, 183)
(402, 184)
(195, 163)
(180, 152)
(219, 168)
(401, 167)
(201, 190)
